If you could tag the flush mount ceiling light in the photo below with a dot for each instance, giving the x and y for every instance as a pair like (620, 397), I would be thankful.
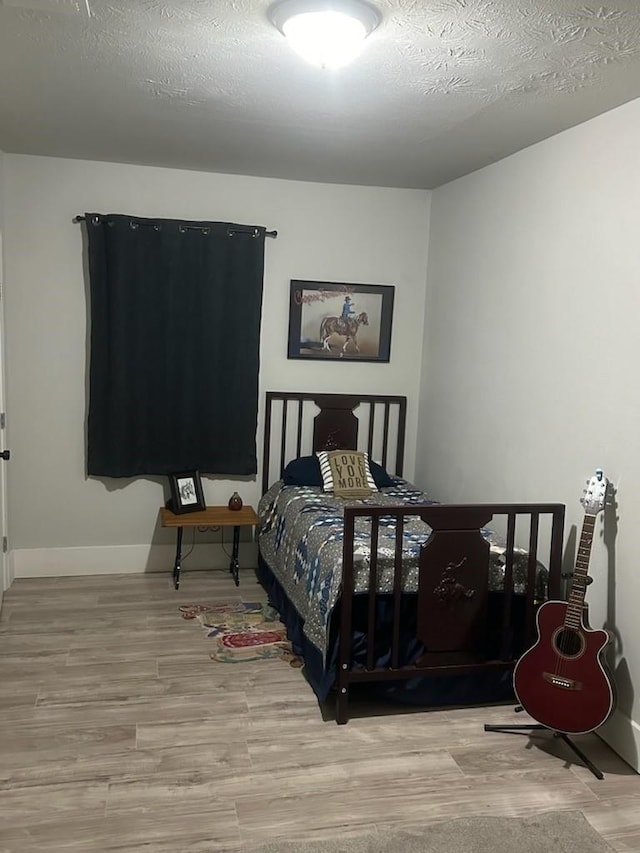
(324, 32)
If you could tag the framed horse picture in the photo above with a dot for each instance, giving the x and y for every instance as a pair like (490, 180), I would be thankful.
(336, 321)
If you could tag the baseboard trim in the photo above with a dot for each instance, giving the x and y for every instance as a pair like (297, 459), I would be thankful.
(121, 560)
(622, 734)
(7, 573)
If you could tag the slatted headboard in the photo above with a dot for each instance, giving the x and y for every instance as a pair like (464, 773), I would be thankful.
(298, 424)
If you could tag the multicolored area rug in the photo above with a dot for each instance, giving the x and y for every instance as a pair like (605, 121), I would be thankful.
(247, 631)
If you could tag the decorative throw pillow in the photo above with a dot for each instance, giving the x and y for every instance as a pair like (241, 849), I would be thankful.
(305, 471)
(346, 473)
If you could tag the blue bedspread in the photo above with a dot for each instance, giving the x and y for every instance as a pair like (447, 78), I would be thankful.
(301, 539)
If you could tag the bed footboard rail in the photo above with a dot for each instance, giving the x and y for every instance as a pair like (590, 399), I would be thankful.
(455, 629)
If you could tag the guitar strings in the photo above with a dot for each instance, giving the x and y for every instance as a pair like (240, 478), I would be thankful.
(579, 579)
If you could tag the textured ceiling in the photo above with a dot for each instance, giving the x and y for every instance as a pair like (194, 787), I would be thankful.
(443, 87)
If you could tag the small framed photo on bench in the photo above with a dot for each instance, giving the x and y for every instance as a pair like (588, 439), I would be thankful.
(186, 492)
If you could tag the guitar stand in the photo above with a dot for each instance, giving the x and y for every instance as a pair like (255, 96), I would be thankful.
(539, 727)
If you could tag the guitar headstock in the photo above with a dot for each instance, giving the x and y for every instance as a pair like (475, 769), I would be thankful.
(595, 495)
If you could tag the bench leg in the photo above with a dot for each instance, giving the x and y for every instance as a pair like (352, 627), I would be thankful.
(235, 565)
(177, 565)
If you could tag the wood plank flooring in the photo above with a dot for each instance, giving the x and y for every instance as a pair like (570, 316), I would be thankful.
(118, 733)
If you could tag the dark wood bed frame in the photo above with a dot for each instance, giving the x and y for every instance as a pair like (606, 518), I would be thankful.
(454, 563)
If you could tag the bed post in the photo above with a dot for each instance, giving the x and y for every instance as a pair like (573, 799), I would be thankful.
(344, 658)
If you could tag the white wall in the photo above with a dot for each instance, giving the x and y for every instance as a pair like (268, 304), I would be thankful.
(332, 233)
(529, 373)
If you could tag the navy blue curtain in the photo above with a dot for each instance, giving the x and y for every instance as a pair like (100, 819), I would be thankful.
(175, 337)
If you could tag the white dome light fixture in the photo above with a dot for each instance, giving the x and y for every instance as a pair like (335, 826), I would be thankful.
(327, 33)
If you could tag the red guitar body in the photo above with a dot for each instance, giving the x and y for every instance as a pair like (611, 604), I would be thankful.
(562, 681)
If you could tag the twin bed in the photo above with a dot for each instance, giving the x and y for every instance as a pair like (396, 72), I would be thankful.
(434, 601)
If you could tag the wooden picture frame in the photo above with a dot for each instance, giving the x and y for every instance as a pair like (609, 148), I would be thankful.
(186, 492)
(336, 321)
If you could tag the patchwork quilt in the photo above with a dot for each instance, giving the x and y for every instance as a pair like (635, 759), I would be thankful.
(301, 539)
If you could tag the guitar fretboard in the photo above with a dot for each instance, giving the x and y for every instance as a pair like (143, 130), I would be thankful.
(575, 603)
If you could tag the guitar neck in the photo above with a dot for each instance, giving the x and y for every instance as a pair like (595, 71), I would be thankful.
(575, 603)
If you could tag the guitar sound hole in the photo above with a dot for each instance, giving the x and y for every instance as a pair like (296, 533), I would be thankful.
(568, 642)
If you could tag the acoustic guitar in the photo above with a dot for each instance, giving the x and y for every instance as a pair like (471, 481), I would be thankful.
(562, 681)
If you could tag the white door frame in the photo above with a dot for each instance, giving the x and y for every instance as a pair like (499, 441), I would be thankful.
(5, 573)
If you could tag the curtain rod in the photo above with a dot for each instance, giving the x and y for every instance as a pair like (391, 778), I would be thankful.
(274, 234)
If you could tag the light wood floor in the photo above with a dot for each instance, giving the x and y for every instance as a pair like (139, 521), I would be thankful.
(117, 732)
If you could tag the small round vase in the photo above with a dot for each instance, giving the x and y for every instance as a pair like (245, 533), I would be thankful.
(235, 501)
